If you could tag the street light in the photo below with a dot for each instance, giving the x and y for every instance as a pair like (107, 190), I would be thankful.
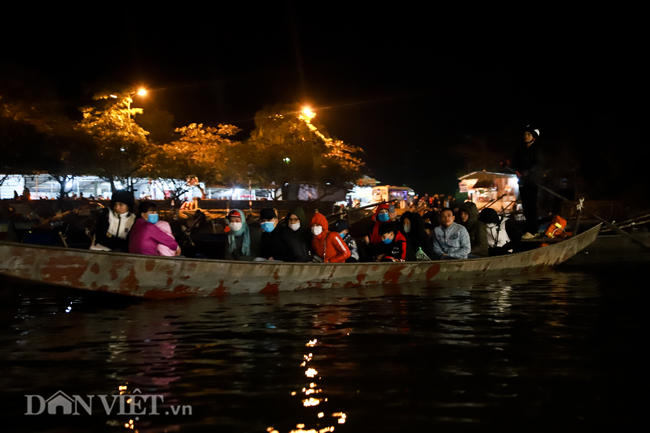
(306, 110)
(140, 92)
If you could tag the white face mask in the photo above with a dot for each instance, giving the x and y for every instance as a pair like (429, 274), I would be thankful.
(294, 227)
(316, 230)
(235, 226)
(407, 229)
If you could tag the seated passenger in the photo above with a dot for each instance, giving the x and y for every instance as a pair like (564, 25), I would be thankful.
(412, 226)
(297, 221)
(451, 240)
(113, 225)
(278, 242)
(373, 239)
(341, 227)
(328, 247)
(393, 244)
(145, 236)
(468, 215)
(431, 217)
(243, 241)
(502, 234)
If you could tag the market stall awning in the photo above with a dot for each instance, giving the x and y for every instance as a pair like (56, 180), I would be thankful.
(483, 183)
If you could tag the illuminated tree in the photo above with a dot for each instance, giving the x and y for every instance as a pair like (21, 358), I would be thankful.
(121, 144)
(288, 147)
(200, 154)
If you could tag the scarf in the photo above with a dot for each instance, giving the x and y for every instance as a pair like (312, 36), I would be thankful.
(244, 232)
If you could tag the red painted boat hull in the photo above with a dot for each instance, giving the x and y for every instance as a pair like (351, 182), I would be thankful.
(169, 277)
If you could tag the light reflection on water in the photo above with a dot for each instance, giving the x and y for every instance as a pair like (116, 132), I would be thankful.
(521, 353)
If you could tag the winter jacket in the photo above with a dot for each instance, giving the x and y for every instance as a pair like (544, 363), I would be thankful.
(145, 237)
(303, 233)
(476, 230)
(416, 238)
(283, 244)
(328, 245)
(527, 162)
(394, 250)
(453, 241)
(111, 231)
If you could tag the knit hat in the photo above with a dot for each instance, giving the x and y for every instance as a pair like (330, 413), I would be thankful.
(267, 214)
(340, 225)
(125, 197)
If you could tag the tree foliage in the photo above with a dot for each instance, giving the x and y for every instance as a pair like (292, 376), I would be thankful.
(202, 153)
(121, 146)
(288, 146)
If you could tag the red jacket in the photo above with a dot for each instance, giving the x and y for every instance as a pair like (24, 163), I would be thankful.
(374, 234)
(394, 250)
(328, 245)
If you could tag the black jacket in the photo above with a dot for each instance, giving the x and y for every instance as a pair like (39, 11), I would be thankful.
(416, 238)
(283, 244)
(527, 162)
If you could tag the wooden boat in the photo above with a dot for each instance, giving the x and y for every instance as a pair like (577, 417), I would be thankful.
(169, 277)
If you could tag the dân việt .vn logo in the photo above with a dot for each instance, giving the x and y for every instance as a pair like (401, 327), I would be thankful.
(134, 404)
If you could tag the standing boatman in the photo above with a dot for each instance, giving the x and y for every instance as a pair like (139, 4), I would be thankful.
(526, 164)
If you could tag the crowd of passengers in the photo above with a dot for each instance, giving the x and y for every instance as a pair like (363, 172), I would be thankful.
(443, 235)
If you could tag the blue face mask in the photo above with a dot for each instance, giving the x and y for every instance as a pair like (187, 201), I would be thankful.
(387, 240)
(152, 218)
(383, 217)
(267, 226)
(342, 235)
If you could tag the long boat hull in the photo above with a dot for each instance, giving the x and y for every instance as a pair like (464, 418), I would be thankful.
(169, 277)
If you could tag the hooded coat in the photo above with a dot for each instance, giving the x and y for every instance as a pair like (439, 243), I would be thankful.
(328, 245)
(476, 229)
(303, 233)
(374, 232)
(417, 237)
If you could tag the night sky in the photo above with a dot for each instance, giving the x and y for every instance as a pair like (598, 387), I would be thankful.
(405, 83)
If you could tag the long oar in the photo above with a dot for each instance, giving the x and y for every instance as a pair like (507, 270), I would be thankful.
(581, 207)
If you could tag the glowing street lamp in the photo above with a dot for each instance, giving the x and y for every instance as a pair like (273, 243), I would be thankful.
(140, 92)
(306, 110)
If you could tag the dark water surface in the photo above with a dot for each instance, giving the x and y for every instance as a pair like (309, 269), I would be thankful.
(566, 352)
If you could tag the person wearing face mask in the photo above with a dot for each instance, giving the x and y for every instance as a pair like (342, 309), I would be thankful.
(243, 241)
(411, 225)
(328, 247)
(297, 221)
(393, 244)
(114, 224)
(373, 239)
(279, 242)
(145, 236)
(341, 227)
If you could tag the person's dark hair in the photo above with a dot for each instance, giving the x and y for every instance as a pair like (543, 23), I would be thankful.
(267, 214)
(445, 209)
(386, 227)
(489, 216)
(145, 206)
